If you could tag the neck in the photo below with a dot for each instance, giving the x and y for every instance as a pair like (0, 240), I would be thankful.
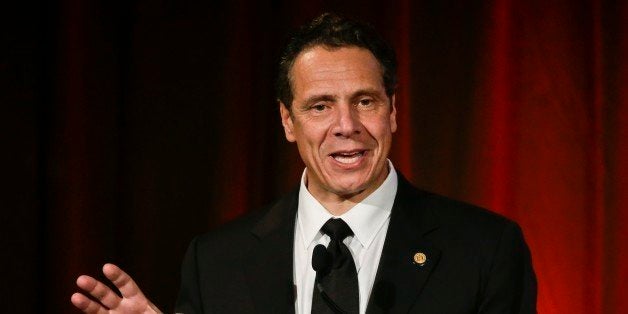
(340, 203)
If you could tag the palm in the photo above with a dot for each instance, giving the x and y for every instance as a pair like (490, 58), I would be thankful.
(132, 305)
(132, 300)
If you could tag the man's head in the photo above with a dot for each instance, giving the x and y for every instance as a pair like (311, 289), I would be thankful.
(332, 31)
(341, 115)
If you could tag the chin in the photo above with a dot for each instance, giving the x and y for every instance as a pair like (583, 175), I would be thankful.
(347, 193)
(350, 189)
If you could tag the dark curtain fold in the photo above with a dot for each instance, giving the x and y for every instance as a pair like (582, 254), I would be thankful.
(131, 126)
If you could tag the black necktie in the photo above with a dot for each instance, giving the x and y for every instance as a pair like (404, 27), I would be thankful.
(340, 281)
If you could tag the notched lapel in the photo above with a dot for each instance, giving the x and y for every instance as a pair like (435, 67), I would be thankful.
(268, 266)
(402, 274)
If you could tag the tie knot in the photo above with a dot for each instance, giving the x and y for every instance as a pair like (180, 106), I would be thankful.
(336, 229)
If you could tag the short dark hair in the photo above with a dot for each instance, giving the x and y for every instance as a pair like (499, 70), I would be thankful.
(333, 31)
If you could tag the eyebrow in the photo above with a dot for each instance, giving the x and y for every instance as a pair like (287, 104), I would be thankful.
(367, 91)
(325, 97)
(317, 98)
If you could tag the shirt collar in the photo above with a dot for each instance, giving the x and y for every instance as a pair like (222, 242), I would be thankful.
(365, 218)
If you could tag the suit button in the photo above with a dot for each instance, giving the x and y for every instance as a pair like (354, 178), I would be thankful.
(420, 258)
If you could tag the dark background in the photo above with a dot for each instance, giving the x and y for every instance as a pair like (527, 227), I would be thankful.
(128, 127)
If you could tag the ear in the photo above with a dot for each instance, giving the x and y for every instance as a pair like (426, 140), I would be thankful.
(286, 121)
(393, 114)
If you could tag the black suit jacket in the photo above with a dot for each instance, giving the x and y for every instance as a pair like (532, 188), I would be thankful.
(477, 262)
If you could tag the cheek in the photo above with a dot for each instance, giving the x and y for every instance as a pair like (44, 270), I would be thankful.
(314, 133)
(380, 129)
(310, 141)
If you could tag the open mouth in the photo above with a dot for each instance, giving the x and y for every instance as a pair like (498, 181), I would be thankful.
(348, 157)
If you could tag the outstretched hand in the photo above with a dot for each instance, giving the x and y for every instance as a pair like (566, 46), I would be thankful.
(132, 300)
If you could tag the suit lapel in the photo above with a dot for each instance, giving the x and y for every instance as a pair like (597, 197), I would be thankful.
(400, 278)
(269, 265)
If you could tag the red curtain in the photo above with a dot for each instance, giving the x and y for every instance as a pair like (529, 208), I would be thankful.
(136, 125)
(542, 144)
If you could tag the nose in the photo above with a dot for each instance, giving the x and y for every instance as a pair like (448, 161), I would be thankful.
(347, 122)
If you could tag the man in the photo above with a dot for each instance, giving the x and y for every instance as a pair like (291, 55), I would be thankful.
(386, 247)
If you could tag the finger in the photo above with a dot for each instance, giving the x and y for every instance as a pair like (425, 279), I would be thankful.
(98, 290)
(122, 281)
(87, 305)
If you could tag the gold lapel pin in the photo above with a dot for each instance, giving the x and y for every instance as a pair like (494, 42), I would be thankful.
(420, 258)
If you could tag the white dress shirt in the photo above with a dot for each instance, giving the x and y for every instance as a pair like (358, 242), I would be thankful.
(369, 221)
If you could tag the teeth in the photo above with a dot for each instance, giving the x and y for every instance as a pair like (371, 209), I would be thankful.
(347, 158)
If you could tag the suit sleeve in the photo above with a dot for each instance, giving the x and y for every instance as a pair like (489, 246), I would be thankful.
(189, 300)
(511, 282)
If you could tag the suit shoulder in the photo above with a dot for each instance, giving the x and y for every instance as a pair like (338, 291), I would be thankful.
(465, 229)
(462, 217)
(445, 209)
(455, 208)
(232, 232)
(245, 230)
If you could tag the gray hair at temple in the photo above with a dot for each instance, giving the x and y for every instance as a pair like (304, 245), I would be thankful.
(333, 32)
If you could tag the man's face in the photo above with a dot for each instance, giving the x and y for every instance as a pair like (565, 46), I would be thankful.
(341, 119)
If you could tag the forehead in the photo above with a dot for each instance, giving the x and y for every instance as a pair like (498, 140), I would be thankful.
(323, 70)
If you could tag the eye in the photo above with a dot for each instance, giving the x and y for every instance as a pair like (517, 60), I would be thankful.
(318, 107)
(365, 102)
